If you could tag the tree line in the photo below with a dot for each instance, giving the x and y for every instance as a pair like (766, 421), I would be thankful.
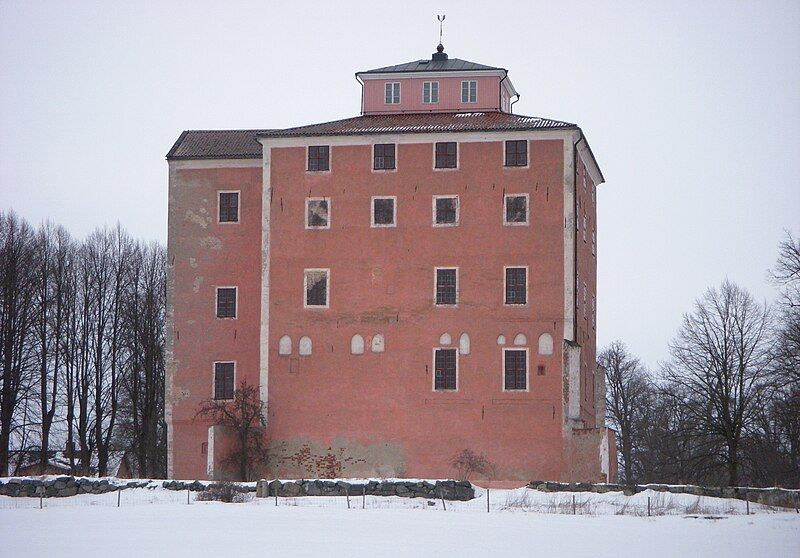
(724, 409)
(81, 348)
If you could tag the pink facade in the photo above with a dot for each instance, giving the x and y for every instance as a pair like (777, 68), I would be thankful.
(349, 386)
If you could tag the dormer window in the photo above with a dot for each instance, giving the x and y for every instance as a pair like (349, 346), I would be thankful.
(393, 93)
(469, 91)
(430, 92)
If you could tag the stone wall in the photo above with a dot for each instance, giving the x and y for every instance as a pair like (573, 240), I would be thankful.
(780, 497)
(65, 486)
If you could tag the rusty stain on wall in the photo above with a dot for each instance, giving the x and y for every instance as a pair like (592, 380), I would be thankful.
(306, 458)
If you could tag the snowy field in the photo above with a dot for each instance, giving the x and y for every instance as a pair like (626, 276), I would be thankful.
(521, 522)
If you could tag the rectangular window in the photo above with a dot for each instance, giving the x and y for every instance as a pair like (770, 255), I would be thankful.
(446, 286)
(392, 93)
(516, 285)
(445, 210)
(516, 209)
(515, 369)
(516, 153)
(229, 207)
(430, 92)
(445, 369)
(317, 213)
(446, 155)
(226, 302)
(383, 156)
(469, 91)
(223, 380)
(319, 158)
(317, 288)
(384, 212)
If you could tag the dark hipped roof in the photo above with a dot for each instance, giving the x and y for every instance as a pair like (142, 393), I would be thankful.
(217, 144)
(428, 65)
(412, 123)
(243, 144)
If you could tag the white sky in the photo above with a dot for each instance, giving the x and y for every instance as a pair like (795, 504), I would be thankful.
(692, 109)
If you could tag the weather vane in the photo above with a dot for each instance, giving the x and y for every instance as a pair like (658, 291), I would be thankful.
(441, 20)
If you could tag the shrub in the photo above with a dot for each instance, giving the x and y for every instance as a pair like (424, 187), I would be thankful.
(224, 492)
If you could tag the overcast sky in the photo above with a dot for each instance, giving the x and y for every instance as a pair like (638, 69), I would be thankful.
(692, 110)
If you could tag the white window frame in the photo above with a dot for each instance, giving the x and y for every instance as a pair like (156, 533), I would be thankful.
(469, 92)
(391, 85)
(527, 286)
(372, 223)
(430, 100)
(527, 221)
(433, 370)
(214, 378)
(458, 157)
(313, 228)
(327, 271)
(527, 369)
(458, 210)
(238, 206)
(458, 287)
(236, 302)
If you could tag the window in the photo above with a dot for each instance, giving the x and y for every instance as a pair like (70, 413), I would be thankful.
(445, 369)
(317, 213)
(446, 155)
(229, 207)
(517, 153)
(383, 156)
(516, 285)
(430, 92)
(446, 286)
(515, 369)
(393, 93)
(384, 212)
(223, 380)
(319, 158)
(516, 210)
(469, 91)
(445, 210)
(226, 302)
(317, 288)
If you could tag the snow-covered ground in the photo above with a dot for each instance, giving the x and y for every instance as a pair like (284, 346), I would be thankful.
(525, 522)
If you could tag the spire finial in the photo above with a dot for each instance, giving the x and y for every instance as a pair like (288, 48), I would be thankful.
(441, 21)
(439, 55)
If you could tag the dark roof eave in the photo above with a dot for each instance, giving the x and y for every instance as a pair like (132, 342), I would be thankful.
(384, 132)
(215, 156)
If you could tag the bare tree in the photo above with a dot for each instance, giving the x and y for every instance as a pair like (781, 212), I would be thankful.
(627, 389)
(468, 462)
(244, 416)
(721, 362)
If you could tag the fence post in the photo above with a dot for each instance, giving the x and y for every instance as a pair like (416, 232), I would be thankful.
(747, 501)
(119, 493)
(276, 497)
(187, 496)
(363, 496)
(648, 506)
(574, 511)
(442, 499)
(487, 500)
(347, 493)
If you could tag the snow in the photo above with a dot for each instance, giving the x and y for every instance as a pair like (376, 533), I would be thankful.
(158, 522)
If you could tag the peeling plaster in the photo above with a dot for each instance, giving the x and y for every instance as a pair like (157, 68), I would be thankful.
(201, 220)
(193, 263)
(211, 242)
(198, 281)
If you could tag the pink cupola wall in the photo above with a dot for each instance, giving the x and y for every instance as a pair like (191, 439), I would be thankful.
(493, 89)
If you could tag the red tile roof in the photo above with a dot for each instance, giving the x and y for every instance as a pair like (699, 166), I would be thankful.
(217, 144)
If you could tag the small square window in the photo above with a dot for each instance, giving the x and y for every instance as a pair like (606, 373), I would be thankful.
(226, 302)
(223, 380)
(229, 207)
(393, 93)
(516, 286)
(445, 210)
(515, 369)
(446, 286)
(516, 153)
(430, 92)
(469, 91)
(383, 156)
(516, 210)
(445, 370)
(316, 288)
(384, 212)
(319, 158)
(446, 155)
(317, 213)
